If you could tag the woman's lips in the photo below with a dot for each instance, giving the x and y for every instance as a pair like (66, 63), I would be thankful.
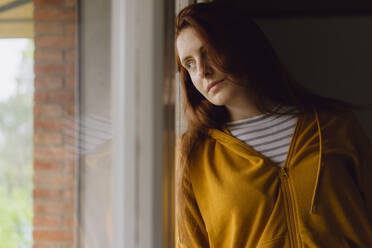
(211, 85)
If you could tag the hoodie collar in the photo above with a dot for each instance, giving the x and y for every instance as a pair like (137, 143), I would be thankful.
(319, 166)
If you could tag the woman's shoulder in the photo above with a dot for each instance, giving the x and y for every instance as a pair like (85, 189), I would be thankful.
(189, 143)
(341, 118)
(343, 127)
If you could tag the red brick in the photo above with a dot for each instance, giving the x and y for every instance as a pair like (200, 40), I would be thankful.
(70, 166)
(47, 165)
(48, 2)
(48, 152)
(48, 82)
(55, 44)
(36, 244)
(53, 235)
(58, 14)
(47, 221)
(67, 125)
(51, 69)
(48, 28)
(48, 55)
(69, 110)
(69, 133)
(70, 82)
(70, 141)
(45, 179)
(68, 194)
(70, 2)
(70, 69)
(70, 55)
(55, 41)
(48, 138)
(69, 221)
(47, 194)
(70, 28)
(55, 96)
(48, 124)
(48, 110)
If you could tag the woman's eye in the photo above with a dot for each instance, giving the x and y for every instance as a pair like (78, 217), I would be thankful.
(188, 65)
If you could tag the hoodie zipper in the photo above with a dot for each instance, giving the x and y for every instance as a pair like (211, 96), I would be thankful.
(290, 207)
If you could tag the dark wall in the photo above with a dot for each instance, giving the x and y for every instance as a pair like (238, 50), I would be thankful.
(326, 46)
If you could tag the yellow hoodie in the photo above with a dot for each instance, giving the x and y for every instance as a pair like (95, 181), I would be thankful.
(236, 197)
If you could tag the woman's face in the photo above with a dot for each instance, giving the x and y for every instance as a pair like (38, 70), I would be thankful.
(214, 85)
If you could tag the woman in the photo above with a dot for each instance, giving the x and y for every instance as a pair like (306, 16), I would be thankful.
(264, 162)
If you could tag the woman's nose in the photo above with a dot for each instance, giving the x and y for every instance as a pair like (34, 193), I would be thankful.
(205, 70)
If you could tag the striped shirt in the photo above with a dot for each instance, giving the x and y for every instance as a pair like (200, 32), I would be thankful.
(270, 135)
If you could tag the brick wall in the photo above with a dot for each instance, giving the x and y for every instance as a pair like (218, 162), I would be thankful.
(54, 162)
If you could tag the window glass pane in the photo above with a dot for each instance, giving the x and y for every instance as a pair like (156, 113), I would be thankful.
(16, 121)
(95, 129)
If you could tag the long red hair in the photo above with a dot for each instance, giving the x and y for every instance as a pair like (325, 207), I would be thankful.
(238, 47)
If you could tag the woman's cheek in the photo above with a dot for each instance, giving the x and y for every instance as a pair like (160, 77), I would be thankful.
(198, 86)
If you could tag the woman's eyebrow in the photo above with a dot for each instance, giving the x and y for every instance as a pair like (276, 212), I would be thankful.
(186, 58)
(189, 57)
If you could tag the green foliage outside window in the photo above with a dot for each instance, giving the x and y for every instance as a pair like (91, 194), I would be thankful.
(16, 130)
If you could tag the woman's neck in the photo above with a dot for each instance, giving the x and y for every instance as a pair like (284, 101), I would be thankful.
(243, 113)
(244, 110)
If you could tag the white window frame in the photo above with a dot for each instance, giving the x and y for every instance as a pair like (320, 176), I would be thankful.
(142, 180)
(137, 80)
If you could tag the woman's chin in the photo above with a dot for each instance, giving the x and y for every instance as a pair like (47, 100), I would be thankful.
(218, 101)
